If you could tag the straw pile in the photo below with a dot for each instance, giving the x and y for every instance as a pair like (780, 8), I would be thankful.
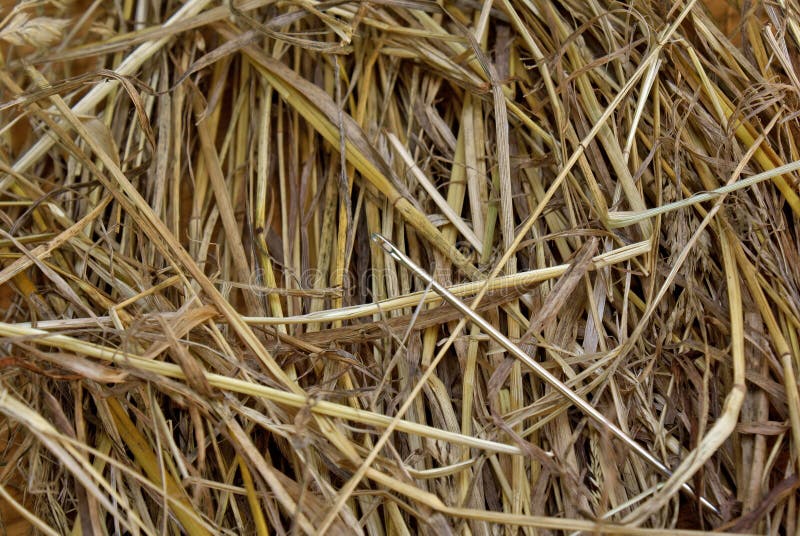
(199, 336)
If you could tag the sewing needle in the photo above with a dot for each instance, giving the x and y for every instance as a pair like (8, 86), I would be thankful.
(542, 372)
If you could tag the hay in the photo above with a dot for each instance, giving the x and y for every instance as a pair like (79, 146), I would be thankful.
(198, 335)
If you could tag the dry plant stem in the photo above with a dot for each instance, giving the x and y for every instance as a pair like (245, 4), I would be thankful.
(32, 519)
(518, 280)
(778, 340)
(42, 252)
(434, 193)
(248, 388)
(139, 209)
(733, 404)
(543, 373)
(652, 57)
(322, 122)
(223, 199)
(663, 37)
(99, 92)
(173, 492)
(319, 110)
(72, 460)
(725, 424)
(622, 219)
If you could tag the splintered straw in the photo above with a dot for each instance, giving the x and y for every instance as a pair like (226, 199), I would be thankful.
(517, 352)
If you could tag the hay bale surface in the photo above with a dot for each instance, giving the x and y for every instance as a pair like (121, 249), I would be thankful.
(198, 335)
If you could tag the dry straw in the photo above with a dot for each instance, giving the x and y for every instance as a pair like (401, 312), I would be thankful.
(197, 334)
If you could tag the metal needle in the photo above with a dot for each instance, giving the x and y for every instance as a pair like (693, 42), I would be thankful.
(542, 372)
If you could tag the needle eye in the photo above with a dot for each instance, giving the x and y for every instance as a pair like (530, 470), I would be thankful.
(385, 245)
